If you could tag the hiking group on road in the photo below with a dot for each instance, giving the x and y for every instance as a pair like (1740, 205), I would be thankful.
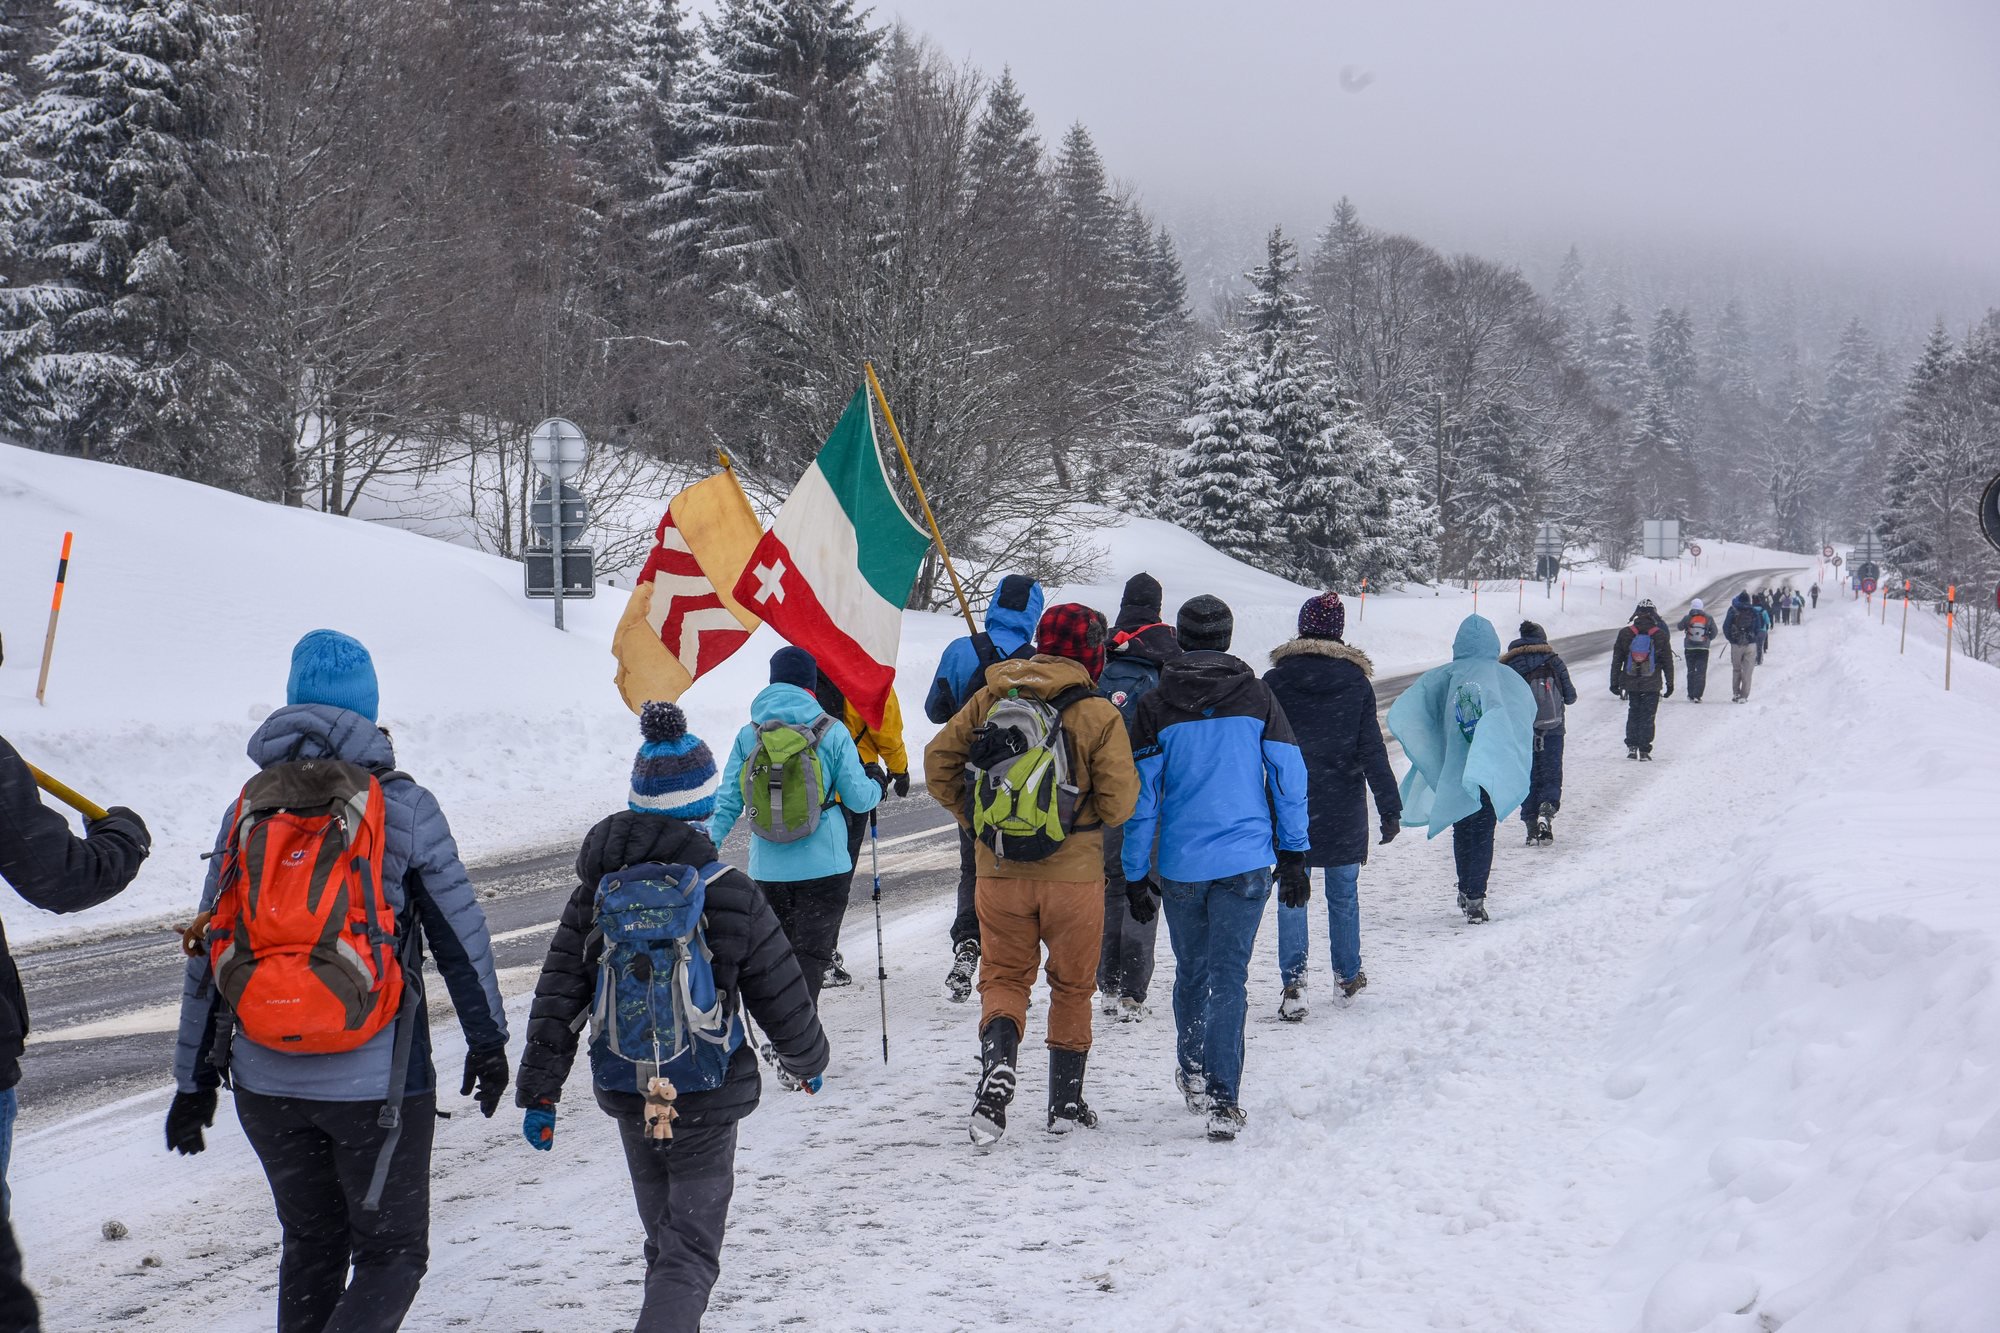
(1103, 774)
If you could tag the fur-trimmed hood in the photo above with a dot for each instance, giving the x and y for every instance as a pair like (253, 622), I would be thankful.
(1334, 648)
(1527, 648)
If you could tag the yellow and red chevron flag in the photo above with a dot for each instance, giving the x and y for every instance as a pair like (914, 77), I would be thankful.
(833, 573)
(682, 619)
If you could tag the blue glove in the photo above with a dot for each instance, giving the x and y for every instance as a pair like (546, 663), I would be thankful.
(538, 1127)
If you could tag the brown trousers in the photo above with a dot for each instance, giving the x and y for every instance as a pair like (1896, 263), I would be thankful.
(1016, 918)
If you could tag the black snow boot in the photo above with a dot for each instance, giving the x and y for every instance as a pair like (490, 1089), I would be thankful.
(1067, 1108)
(999, 1049)
(1475, 911)
(1545, 829)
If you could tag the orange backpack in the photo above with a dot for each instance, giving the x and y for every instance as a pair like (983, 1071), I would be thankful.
(302, 940)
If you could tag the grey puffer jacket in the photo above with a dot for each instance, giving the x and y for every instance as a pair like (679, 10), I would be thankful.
(423, 879)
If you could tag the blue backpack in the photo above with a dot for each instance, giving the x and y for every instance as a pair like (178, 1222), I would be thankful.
(1127, 680)
(657, 1004)
(1639, 657)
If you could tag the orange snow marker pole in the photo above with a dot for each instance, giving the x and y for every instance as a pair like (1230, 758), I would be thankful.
(55, 613)
(1364, 601)
(1563, 605)
(1950, 618)
(1903, 644)
(1600, 592)
(1475, 597)
(1521, 597)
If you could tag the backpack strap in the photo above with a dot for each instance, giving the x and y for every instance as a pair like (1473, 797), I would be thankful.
(411, 952)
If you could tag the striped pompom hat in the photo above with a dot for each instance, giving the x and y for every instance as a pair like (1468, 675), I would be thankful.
(674, 774)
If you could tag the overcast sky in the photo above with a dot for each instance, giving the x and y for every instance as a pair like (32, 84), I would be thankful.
(1846, 130)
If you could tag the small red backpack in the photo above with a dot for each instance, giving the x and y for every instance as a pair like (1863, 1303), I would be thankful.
(302, 940)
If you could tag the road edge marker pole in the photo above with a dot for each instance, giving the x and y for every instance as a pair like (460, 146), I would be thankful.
(55, 614)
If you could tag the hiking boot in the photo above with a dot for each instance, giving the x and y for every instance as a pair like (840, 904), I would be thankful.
(1545, 821)
(1631, 752)
(1067, 1108)
(1224, 1122)
(1646, 756)
(1132, 1011)
(964, 963)
(1194, 1090)
(1292, 1004)
(999, 1046)
(1462, 900)
(1107, 1003)
(1475, 911)
(837, 973)
(1355, 983)
(1534, 838)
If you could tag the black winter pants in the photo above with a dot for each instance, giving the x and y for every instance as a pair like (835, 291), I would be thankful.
(809, 911)
(1545, 777)
(683, 1189)
(319, 1157)
(17, 1304)
(965, 926)
(1641, 710)
(1697, 671)
(1125, 958)
(857, 833)
(1472, 848)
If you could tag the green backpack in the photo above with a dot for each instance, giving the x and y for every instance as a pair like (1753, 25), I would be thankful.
(1023, 804)
(784, 783)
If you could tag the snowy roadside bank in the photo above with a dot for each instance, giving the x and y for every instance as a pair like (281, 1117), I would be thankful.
(1812, 1064)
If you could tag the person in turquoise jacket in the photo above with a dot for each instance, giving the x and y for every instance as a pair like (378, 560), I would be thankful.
(806, 881)
(1468, 728)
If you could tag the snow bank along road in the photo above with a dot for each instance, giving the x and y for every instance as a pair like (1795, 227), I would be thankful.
(104, 1010)
(1721, 1064)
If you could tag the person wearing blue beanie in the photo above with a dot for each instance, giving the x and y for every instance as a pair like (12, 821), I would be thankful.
(332, 668)
(795, 666)
(674, 773)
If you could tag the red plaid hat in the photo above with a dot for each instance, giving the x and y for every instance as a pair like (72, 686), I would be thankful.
(1074, 631)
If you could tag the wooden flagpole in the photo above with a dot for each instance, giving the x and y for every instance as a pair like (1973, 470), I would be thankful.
(964, 607)
(83, 805)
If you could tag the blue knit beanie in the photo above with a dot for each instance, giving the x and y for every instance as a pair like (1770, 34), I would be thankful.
(332, 668)
(795, 666)
(674, 774)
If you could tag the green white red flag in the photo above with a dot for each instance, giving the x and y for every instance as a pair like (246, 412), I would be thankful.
(835, 571)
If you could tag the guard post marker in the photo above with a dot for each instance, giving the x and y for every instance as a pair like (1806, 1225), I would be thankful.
(1904, 643)
(1520, 596)
(1364, 600)
(1885, 606)
(1475, 597)
(1950, 618)
(55, 613)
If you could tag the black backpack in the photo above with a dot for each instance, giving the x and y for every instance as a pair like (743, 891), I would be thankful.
(1127, 680)
(990, 656)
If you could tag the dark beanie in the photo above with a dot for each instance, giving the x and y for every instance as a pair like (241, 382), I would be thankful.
(1530, 630)
(1140, 606)
(1205, 625)
(795, 666)
(1323, 617)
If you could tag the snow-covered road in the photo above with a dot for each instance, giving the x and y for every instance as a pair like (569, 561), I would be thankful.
(1474, 1143)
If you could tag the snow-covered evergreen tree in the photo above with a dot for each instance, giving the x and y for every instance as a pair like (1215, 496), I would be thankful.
(1495, 507)
(1618, 359)
(1670, 353)
(118, 138)
(1661, 469)
(1228, 487)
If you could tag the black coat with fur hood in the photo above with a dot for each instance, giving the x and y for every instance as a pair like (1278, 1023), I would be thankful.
(1322, 684)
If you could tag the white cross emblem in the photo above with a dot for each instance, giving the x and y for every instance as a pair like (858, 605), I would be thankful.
(770, 582)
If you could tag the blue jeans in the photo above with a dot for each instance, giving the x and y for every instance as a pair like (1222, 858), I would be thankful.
(1213, 927)
(1545, 777)
(1343, 920)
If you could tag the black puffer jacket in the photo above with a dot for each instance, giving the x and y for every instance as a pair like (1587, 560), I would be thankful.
(56, 871)
(753, 961)
(1323, 686)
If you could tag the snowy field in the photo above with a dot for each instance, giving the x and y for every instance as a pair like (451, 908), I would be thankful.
(184, 603)
(1722, 1063)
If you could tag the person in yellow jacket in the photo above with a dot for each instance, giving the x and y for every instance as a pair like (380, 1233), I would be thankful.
(884, 759)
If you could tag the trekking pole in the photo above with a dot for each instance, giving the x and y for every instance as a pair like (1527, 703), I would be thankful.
(83, 805)
(881, 967)
(55, 614)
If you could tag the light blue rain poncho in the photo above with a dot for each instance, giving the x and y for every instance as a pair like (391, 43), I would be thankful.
(1465, 725)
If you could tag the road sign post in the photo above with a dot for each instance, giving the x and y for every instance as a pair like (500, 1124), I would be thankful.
(557, 448)
(1661, 538)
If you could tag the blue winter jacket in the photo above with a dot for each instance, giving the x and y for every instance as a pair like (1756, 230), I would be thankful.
(824, 851)
(1464, 726)
(421, 876)
(1218, 767)
(1011, 620)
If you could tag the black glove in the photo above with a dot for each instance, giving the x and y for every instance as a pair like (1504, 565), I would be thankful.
(1617, 692)
(1142, 899)
(877, 776)
(190, 1113)
(1669, 691)
(123, 823)
(488, 1069)
(1295, 885)
(901, 782)
(1391, 826)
